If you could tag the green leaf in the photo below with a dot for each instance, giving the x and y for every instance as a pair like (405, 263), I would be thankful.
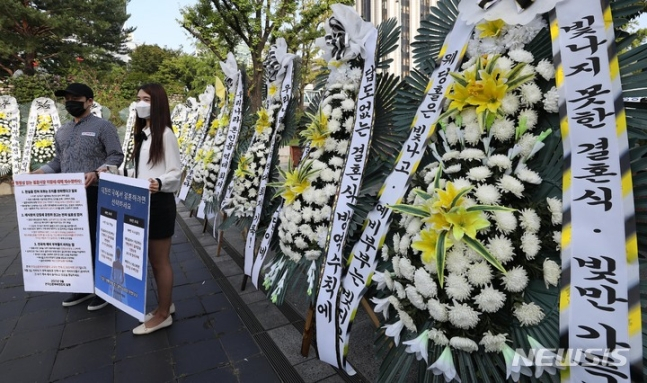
(422, 194)
(441, 252)
(489, 208)
(460, 194)
(408, 209)
(483, 252)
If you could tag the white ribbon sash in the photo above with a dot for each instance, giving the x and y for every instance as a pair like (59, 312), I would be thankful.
(250, 243)
(598, 239)
(232, 139)
(359, 147)
(364, 254)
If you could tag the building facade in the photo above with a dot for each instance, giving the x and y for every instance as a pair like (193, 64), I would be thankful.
(408, 13)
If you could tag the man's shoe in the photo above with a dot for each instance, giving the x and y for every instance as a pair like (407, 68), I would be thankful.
(97, 304)
(143, 330)
(77, 298)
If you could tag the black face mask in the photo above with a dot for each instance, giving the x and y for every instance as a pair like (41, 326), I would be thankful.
(75, 108)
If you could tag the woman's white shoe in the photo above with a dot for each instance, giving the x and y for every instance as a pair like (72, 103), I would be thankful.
(143, 330)
(150, 314)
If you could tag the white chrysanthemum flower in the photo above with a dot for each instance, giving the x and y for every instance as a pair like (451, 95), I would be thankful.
(527, 175)
(552, 272)
(348, 104)
(415, 298)
(405, 243)
(479, 274)
(531, 118)
(501, 248)
(551, 101)
(408, 321)
(414, 226)
(530, 93)
(336, 113)
(457, 287)
(472, 133)
(395, 302)
(399, 290)
(438, 337)
(453, 169)
(555, 208)
(504, 63)
(471, 154)
(463, 316)
(479, 173)
(515, 280)
(490, 300)
(500, 161)
(456, 262)
(425, 284)
(505, 221)
(342, 147)
(452, 133)
(493, 343)
(546, 69)
(406, 269)
(463, 344)
(509, 184)
(396, 241)
(336, 162)
(530, 244)
(528, 314)
(469, 116)
(503, 129)
(395, 263)
(451, 155)
(527, 70)
(385, 253)
(437, 310)
(521, 55)
(529, 220)
(333, 126)
(388, 279)
(462, 183)
(487, 194)
(526, 144)
(510, 104)
(557, 238)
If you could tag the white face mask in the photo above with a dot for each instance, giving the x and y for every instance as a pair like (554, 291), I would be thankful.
(143, 109)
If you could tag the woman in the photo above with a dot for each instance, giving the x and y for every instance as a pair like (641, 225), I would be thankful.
(157, 159)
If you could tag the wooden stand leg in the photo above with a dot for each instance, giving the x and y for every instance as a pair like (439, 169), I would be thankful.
(221, 234)
(244, 284)
(370, 312)
(206, 223)
(308, 329)
(191, 213)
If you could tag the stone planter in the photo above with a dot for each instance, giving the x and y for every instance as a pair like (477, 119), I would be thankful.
(6, 188)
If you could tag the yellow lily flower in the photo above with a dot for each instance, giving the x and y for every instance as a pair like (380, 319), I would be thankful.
(44, 143)
(243, 167)
(444, 197)
(263, 121)
(317, 132)
(272, 90)
(4, 130)
(427, 245)
(4, 148)
(491, 95)
(465, 222)
(491, 28)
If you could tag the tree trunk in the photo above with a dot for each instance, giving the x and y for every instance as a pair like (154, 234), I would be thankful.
(256, 83)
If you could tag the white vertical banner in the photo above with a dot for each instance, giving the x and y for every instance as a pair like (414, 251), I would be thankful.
(328, 336)
(595, 244)
(9, 107)
(250, 243)
(54, 232)
(363, 258)
(232, 139)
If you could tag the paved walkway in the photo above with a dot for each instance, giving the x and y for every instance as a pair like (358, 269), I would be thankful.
(220, 333)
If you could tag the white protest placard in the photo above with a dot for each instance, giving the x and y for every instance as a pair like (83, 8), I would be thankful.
(54, 232)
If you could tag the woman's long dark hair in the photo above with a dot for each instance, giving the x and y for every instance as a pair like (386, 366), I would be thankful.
(160, 120)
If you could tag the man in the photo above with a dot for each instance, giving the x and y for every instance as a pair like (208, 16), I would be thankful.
(84, 145)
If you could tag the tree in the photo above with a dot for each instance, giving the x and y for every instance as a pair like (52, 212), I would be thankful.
(53, 35)
(222, 24)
